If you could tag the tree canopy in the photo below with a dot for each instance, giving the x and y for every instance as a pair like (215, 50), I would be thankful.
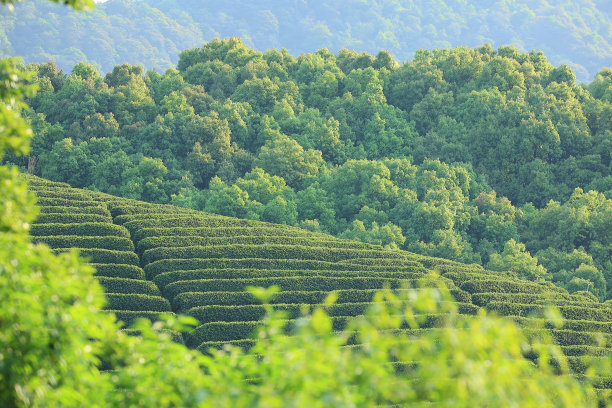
(456, 153)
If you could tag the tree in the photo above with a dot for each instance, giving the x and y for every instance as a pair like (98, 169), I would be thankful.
(388, 236)
(230, 200)
(313, 203)
(284, 157)
(516, 259)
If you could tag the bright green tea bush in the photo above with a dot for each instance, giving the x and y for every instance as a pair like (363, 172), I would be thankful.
(228, 231)
(129, 317)
(137, 302)
(192, 300)
(63, 202)
(55, 337)
(166, 265)
(568, 312)
(108, 256)
(168, 277)
(77, 241)
(63, 218)
(62, 194)
(133, 286)
(185, 241)
(119, 271)
(87, 229)
(330, 254)
(89, 209)
(505, 286)
(305, 283)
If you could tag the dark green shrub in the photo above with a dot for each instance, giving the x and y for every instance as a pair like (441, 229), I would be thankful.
(62, 193)
(106, 256)
(61, 218)
(119, 271)
(168, 277)
(188, 300)
(77, 241)
(186, 241)
(188, 221)
(571, 338)
(123, 285)
(568, 312)
(87, 209)
(587, 326)
(129, 316)
(88, 229)
(482, 299)
(433, 263)
(299, 283)
(461, 276)
(210, 314)
(120, 208)
(585, 350)
(63, 202)
(166, 265)
(228, 231)
(246, 313)
(174, 335)
(228, 331)
(575, 325)
(244, 344)
(264, 251)
(507, 286)
(399, 262)
(138, 302)
(156, 213)
(220, 331)
(34, 181)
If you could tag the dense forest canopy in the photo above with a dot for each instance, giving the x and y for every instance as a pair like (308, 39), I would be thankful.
(151, 32)
(481, 155)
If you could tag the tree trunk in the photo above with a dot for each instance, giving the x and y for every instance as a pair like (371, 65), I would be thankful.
(32, 160)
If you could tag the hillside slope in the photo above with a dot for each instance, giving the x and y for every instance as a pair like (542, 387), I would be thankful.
(150, 32)
(159, 258)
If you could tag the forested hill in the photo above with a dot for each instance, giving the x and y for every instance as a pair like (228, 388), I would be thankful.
(150, 32)
(478, 155)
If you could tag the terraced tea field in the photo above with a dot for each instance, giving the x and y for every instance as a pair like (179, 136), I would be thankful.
(159, 258)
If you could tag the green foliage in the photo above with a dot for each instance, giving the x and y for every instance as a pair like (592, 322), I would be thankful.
(197, 274)
(440, 155)
(84, 229)
(568, 312)
(389, 235)
(183, 241)
(265, 252)
(514, 258)
(75, 210)
(220, 232)
(316, 283)
(132, 286)
(69, 218)
(137, 302)
(486, 285)
(167, 265)
(98, 255)
(55, 336)
(119, 271)
(76, 241)
(127, 318)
